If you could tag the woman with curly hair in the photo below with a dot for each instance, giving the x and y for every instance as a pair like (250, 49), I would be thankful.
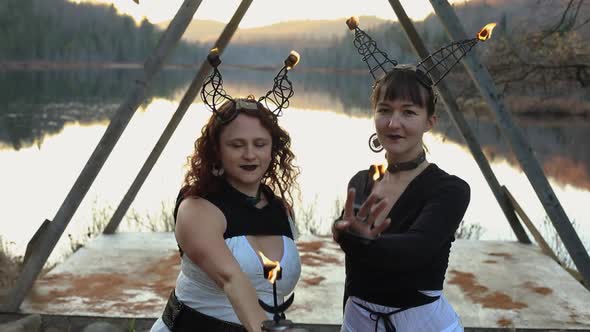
(234, 205)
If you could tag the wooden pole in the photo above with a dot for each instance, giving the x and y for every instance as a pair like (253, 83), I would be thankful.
(518, 143)
(55, 228)
(186, 101)
(545, 248)
(33, 244)
(459, 120)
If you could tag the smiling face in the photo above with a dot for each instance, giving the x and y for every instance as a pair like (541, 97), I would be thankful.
(404, 111)
(245, 152)
(400, 125)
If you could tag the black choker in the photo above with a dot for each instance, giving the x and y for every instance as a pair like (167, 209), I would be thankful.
(254, 199)
(407, 165)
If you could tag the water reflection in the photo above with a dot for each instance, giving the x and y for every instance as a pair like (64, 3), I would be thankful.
(50, 122)
(35, 104)
(39, 103)
(559, 147)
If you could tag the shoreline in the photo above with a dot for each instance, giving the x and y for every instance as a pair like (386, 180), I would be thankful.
(53, 65)
(525, 107)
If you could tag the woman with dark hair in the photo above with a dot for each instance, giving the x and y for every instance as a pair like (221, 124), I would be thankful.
(233, 207)
(408, 217)
(398, 223)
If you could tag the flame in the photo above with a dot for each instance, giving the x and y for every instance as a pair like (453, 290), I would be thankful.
(373, 172)
(486, 32)
(292, 60)
(274, 265)
(352, 22)
(377, 171)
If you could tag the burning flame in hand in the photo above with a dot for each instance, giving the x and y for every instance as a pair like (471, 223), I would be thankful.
(273, 266)
(377, 171)
(486, 32)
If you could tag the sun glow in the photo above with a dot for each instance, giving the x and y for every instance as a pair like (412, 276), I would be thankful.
(267, 12)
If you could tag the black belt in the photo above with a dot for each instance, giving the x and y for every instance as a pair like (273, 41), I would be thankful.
(179, 317)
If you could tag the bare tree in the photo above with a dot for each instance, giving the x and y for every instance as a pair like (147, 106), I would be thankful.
(558, 53)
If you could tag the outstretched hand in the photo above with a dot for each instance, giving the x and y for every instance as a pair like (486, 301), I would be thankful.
(364, 222)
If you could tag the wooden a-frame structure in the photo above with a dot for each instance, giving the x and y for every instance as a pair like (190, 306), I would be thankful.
(44, 241)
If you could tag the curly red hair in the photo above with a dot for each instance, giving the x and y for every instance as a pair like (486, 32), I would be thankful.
(280, 175)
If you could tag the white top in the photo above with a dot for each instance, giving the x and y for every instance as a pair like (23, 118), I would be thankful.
(437, 316)
(195, 289)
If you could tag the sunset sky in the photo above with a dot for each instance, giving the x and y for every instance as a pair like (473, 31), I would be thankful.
(266, 12)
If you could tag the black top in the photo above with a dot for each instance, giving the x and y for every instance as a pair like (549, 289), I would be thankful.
(242, 217)
(413, 252)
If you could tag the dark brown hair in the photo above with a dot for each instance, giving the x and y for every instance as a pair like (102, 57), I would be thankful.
(403, 83)
(281, 173)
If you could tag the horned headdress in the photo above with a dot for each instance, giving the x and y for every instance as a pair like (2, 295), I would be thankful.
(429, 71)
(274, 100)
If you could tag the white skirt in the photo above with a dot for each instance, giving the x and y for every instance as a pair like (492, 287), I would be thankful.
(159, 326)
(437, 316)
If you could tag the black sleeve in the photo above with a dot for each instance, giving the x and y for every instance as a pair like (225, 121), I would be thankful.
(359, 183)
(179, 199)
(435, 226)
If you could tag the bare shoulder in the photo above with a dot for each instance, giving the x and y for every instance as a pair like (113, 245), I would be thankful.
(191, 205)
(199, 232)
(198, 214)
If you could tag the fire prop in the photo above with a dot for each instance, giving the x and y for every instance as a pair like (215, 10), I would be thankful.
(275, 100)
(375, 58)
(430, 70)
(376, 172)
(438, 64)
(273, 272)
(278, 97)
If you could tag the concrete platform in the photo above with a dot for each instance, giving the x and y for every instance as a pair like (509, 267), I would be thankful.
(491, 284)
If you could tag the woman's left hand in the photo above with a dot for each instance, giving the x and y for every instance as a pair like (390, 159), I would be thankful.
(362, 223)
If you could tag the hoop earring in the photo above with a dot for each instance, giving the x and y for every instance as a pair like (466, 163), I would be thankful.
(217, 170)
(374, 143)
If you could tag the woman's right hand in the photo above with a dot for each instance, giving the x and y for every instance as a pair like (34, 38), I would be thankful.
(362, 223)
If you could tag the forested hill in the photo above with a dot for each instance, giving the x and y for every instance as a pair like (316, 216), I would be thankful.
(311, 30)
(58, 30)
(518, 21)
(535, 42)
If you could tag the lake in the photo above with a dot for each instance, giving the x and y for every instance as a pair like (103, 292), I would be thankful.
(51, 121)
